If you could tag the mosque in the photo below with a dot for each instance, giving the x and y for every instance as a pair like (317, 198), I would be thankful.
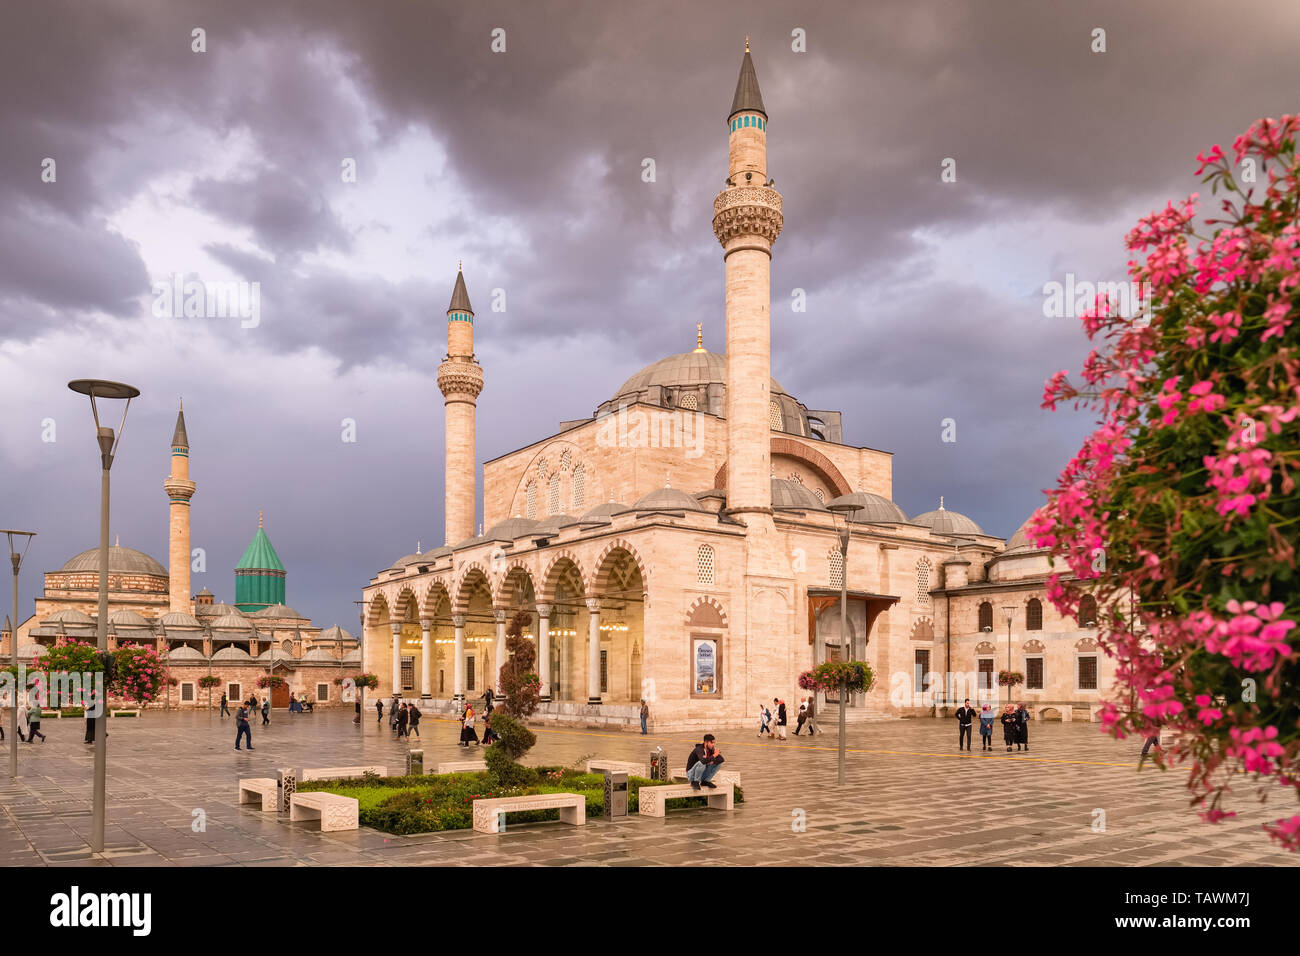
(258, 635)
(682, 545)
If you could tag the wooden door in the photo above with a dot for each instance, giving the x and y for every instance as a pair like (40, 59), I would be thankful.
(280, 695)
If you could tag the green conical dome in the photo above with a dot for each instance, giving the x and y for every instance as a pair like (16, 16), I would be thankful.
(259, 576)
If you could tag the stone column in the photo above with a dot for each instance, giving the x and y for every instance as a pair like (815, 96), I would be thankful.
(426, 660)
(593, 651)
(544, 649)
(458, 670)
(500, 656)
(397, 658)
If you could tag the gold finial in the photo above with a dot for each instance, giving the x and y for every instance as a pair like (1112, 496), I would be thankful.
(259, 518)
(941, 502)
(417, 547)
(699, 337)
(746, 44)
(460, 265)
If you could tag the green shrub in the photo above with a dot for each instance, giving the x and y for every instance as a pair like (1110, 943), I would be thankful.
(504, 771)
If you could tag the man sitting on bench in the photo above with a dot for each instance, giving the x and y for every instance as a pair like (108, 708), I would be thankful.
(703, 763)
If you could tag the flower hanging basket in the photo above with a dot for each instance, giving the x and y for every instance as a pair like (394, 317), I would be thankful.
(270, 681)
(1010, 678)
(208, 681)
(368, 681)
(831, 676)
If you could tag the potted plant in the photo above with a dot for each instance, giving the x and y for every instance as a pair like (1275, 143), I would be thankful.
(1010, 678)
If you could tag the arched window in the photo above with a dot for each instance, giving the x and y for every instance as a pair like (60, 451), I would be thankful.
(704, 566)
(774, 417)
(835, 559)
(986, 616)
(555, 495)
(1034, 615)
(923, 582)
(579, 489)
(820, 495)
(690, 402)
(541, 468)
(1088, 611)
(565, 458)
(286, 646)
(531, 493)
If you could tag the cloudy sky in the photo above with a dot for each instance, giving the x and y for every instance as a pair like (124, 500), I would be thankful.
(924, 298)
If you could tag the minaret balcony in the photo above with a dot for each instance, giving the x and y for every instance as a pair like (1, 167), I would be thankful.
(741, 211)
(459, 377)
(179, 489)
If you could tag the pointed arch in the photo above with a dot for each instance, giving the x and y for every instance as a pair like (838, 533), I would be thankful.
(436, 598)
(706, 601)
(517, 586)
(560, 564)
(407, 605)
(379, 611)
(473, 576)
(605, 567)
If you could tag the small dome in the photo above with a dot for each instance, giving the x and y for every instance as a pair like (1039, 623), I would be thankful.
(237, 622)
(335, 633)
(277, 610)
(274, 653)
(352, 657)
(790, 495)
(32, 650)
(873, 509)
(602, 513)
(124, 560)
(319, 654)
(667, 499)
(1020, 540)
(185, 653)
(179, 619)
(126, 618)
(553, 524)
(70, 616)
(204, 593)
(510, 529)
(947, 522)
(217, 610)
(231, 653)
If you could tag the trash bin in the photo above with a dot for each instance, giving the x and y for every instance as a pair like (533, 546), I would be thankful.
(615, 794)
(415, 763)
(658, 764)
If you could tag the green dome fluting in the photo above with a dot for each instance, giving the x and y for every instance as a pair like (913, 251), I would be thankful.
(259, 576)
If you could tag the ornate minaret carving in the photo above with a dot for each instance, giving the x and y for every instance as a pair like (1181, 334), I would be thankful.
(461, 379)
(179, 490)
(747, 220)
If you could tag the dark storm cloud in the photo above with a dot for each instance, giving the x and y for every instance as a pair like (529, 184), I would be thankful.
(598, 267)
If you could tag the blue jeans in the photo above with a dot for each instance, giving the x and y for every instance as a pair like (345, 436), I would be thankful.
(643, 725)
(244, 731)
(702, 772)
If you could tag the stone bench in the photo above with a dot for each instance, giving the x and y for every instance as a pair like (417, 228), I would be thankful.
(340, 773)
(653, 801)
(251, 789)
(722, 778)
(124, 712)
(598, 764)
(48, 714)
(572, 807)
(461, 766)
(333, 811)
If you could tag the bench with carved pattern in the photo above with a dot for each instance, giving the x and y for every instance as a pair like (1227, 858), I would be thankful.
(489, 813)
(265, 789)
(334, 812)
(652, 801)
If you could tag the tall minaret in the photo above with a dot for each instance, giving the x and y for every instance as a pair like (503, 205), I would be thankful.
(747, 220)
(179, 490)
(461, 379)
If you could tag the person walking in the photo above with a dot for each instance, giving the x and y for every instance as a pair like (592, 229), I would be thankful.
(1009, 722)
(781, 719)
(489, 735)
(242, 726)
(357, 707)
(487, 701)
(1023, 717)
(392, 711)
(413, 716)
(403, 719)
(1152, 741)
(965, 714)
(764, 720)
(225, 705)
(266, 710)
(986, 728)
(645, 714)
(34, 720)
(702, 763)
(379, 706)
(812, 715)
(467, 731)
(803, 715)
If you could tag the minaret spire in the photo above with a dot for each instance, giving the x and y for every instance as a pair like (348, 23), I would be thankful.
(179, 490)
(460, 378)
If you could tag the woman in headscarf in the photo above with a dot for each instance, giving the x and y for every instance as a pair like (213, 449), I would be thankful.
(1010, 726)
(986, 727)
(467, 731)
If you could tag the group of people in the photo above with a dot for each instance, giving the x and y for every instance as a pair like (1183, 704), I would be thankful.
(404, 719)
(29, 719)
(468, 719)
(773, 720)
(1014, 720)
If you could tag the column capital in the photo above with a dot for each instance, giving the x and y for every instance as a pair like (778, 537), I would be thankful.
(544, 611)
(397, 628)
(593, 605)
(425, 624)
(499, 613)
(458, 620)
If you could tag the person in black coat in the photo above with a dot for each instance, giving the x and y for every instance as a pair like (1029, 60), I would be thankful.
(413, 716)
(379, 706)
(403, 718)
(965, 717)
(1010, 726)
(1022, 725)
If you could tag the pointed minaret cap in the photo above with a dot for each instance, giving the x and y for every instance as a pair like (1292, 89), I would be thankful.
(747, 98)
(459, 296)
(179, 438)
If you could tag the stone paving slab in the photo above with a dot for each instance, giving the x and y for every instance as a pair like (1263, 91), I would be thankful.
(911, 800)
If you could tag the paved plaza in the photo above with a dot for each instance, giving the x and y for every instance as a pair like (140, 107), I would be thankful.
(911, 800)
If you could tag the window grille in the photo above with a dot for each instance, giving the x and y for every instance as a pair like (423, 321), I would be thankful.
(923, 582)
(579, 489)
(774, 416)
(835, 558)
(704, 566)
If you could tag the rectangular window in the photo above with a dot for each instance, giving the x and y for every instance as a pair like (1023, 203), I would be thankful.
(187, 692)
(1033, 673)
(442, 681)
(986, 673)
(1088, 672)
(408, 673)
(604, 672)
(234, 693)
(322, 691)
(469, 671)
(922, 670)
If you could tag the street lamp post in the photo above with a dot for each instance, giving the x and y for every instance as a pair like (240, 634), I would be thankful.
(16, 559)
(108, 443)
(361, 653)
(847, 509)
(1010, 609)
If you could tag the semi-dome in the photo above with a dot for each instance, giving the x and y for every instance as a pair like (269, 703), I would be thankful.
(603, 512)
(553, 524)
(788, 495)
(277, 610)
(319, 654)
(236, 622)
(70, 616)
(667, 499)
(944, 521)
(689, 368)
(232, 653)
(510, 529)
(123, 560)
(335, 633)
(872, 509)
(185, 653)
(217, 610)
(179, 619)
(127, 618)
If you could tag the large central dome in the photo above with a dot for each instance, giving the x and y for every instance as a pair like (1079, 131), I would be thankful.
(690, 369)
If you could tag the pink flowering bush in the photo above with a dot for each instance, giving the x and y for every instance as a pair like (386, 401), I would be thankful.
(141, 674)
(1187, 487)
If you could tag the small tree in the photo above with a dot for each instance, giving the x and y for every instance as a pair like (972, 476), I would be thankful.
(502, 758)
(519, 681)
(209, 681)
